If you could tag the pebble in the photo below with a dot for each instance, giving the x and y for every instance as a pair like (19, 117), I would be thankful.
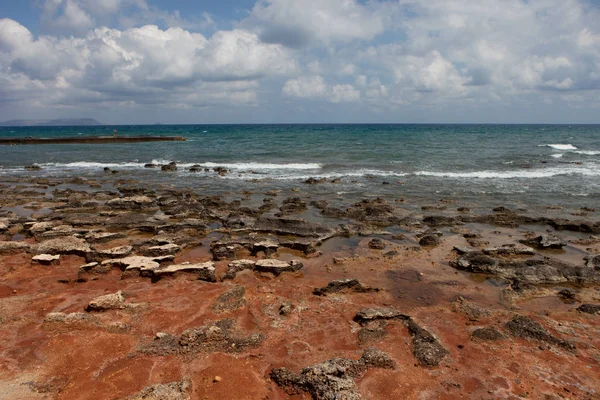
(217, 379)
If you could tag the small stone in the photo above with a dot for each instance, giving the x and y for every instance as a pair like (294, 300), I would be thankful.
(217, 379)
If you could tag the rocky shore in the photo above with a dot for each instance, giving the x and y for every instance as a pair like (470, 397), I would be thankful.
(112, 290)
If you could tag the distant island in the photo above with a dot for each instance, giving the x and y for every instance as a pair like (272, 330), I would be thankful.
(52, 122)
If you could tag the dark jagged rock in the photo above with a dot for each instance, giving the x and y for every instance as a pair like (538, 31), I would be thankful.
(593, 262)
(375, 212)
(470, 310)
(376, 244)
(589, 308)
(521, 326)
(172, 166)
(439, 220)
(319, 204)
(225, 250)
(490, 334)
(222, 336)
(333, 379)
(575, 226)
(343, 284)
(429, 240)
(501, 217)
(546, 242)
(535, 271)
(426, 348)
(367, 315)
(231, 300)
(509, 250)
(313, 181)
(293, 205)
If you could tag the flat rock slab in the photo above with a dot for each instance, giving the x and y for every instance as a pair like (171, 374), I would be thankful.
(157, 251)
(237, 266)
(115, 252)
(135, 202)
(46, 259)
(13, 247)
(371, 314)
(524, 327)
(277, 267)
(64, 245)
(102, 237)
(204, 271)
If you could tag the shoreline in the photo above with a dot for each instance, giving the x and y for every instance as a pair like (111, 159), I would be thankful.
(496, 296)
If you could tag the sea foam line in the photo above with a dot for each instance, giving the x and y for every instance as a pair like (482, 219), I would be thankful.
(559, 146)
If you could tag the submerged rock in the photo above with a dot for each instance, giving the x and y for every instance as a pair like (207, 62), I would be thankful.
(342, 285)
(333, 379)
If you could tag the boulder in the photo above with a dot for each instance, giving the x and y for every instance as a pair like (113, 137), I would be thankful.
(429, 239)
(172, 166)
(376, 244)
(114, 301)
(589, 308)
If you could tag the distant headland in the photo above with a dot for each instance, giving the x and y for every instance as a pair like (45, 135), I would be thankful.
(52, 122)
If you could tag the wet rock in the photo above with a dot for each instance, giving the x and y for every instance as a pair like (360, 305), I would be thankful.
(439, 220)
(427, 349)
(131, 203)
(546, 242)
(114, 301)
(115, 252)
(593, 261)
(46, 259)
(58, 231)
(429, 240)
(231, 300)
(390, 254)
(268, 247)
(222, 336)
(319, 204)
(376, 244)
(172, 166)
(524, 327)
(40, 227)
(589, 308)
(196, 168)
(102, 237)
(544, 271)
(343, 285)
(292, 226)
(313, 181)
(277, 267)
(509, 250)
(167, 391)
(202, 271)
(132, 265)
(490, 334)
(13, 247)
(63, 245)
(367, 315)
(575, 226)
(567, 295)
(33, 168)
(333, 379)
(470, 310)
(4, 224)
(293, 205)
(237, 266)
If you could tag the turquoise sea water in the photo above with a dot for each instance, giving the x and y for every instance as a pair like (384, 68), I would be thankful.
(485, 164)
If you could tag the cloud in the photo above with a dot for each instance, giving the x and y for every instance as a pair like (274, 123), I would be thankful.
(301, 23)
(315, 87)
(138, 65)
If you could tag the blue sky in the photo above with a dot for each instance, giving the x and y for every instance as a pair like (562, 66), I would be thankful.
(184, 61)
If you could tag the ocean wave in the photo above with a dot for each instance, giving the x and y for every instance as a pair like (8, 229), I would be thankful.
(91, 165)
(587, 152)
(559, 146)
(522, 174)
(262, 166)
(559, 155)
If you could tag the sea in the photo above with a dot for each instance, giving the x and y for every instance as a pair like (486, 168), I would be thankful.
(519, 166)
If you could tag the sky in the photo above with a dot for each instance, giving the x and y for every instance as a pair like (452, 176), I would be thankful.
(301, 61)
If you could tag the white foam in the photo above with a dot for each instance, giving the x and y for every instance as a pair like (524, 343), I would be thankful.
(518, 174)
(559, 155)
(559, 146)
(587, 152)
(92, 165)
(262, 166)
